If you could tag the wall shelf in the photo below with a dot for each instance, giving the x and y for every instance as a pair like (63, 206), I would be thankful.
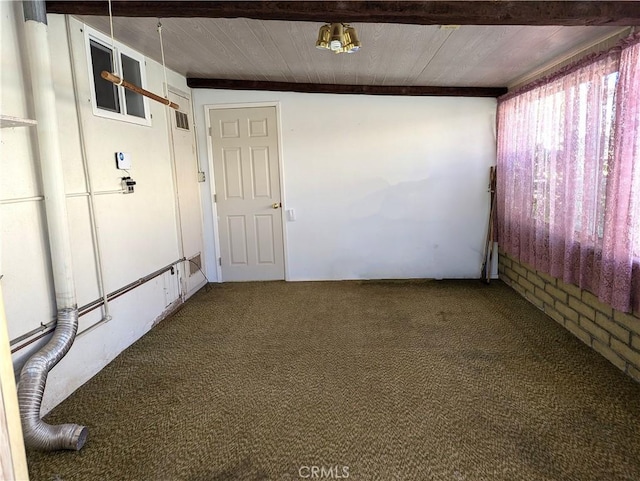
(7, 121)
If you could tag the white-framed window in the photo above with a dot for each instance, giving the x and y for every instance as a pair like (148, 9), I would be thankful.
(107, 99)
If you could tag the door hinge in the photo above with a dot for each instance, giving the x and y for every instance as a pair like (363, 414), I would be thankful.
(210, 131)
(215, 198)
(220, 261)
(201, 176)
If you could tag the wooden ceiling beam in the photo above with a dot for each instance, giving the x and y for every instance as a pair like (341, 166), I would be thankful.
(228, 84)
(575, 13)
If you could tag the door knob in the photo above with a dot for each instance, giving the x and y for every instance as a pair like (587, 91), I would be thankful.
(277, 205)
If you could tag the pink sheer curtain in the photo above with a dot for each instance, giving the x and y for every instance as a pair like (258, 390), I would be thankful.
(568, 176)
(621, 241)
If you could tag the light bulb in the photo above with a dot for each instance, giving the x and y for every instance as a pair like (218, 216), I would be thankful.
(337, 36)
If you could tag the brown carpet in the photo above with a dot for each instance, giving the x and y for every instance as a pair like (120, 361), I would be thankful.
(449, 380)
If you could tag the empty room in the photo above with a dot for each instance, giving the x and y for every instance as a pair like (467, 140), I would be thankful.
(315, 240)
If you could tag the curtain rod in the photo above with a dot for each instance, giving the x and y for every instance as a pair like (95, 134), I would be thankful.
(134, 88)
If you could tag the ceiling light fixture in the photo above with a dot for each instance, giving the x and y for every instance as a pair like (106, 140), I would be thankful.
(338, 37)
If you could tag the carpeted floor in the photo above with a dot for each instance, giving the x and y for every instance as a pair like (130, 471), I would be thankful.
(390, 381)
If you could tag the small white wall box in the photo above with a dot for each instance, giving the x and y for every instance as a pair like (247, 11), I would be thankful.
(123, 160)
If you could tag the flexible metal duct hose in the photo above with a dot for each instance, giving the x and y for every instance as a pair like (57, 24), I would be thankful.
(33, 377)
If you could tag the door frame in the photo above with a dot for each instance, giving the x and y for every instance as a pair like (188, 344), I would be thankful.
(208, 108)
(182, 276)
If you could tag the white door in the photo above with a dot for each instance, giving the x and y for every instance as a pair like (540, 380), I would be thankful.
(248, 199)
(188, 193)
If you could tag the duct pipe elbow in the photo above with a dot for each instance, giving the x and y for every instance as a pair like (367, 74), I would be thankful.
(33, 378)
(45, 437)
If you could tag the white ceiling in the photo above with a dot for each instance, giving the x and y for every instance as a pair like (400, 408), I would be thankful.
(391, 54)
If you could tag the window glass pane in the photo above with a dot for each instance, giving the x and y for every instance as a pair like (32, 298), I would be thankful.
(131, 73)
(106, 92)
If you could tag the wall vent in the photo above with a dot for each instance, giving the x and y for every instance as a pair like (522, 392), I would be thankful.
(182, 120)
(195, 264)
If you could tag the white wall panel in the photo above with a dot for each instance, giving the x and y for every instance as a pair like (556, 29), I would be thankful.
(85, 272)
(382, 187)
(27, 282)
(19, 175)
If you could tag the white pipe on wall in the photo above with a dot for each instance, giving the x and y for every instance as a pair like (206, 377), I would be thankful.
(176, 199)
(19, 200)
(33, 377)
(44, 101)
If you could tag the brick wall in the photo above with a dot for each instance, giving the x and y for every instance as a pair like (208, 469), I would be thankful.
(612, 333)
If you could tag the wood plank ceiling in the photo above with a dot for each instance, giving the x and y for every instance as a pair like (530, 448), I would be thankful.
(392, 54)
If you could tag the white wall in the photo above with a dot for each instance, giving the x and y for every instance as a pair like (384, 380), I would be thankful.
(382, 187)
(138, 233)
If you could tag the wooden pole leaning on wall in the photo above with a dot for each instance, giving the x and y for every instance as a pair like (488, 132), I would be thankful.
(134, 88)
(489, 248)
